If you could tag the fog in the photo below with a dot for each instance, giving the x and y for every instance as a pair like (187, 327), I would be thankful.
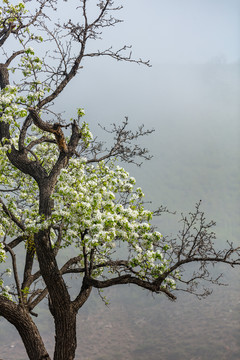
(173, 31)
(183, 31)
(190, 96)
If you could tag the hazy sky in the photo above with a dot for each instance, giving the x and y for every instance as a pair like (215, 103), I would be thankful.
(165, 32)
(181, 31)
(171, 31)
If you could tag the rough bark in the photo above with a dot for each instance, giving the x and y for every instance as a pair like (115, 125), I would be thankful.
(19, 317)
(4, 76)
(62, 310)
(65, 329)
(4, 81)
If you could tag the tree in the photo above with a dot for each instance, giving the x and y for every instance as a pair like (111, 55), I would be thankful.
(61, 189)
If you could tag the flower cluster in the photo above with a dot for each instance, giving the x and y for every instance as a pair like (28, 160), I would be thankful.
(97, 207)
(14, 104)
(90, 204)
(15, 100)
(4, 289)
(29, 63)
(10, 13)
(13, 14)
(2, 253)
(11, 105)
(86, 135)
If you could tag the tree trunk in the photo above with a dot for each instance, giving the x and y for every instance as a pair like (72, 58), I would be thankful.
(4, 76)
(63, 312)
(32, 340)
(20, 318)
(66, 341)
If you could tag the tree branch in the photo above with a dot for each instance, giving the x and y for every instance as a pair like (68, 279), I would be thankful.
(15, 272)
(12, 57)
(12, 216)
(128, 279)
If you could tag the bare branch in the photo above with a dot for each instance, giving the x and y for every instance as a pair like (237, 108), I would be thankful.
(12, 244)
(12, 57)
(123, 147)
(40, 141)
(39, 295)
(15, 272)
(119, 55)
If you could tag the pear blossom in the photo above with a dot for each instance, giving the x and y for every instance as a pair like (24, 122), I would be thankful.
(88, 195)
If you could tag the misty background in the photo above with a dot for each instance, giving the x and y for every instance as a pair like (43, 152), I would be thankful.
(190, 96)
